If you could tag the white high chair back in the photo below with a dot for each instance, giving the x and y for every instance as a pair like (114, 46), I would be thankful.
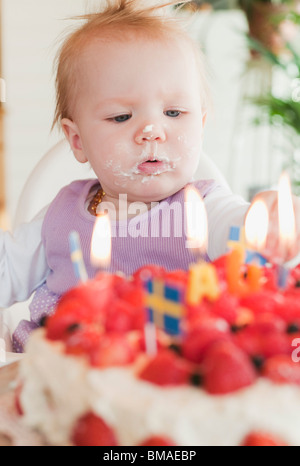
(57, 168)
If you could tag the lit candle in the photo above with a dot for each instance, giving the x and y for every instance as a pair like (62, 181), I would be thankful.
(256, 226)
(203, 280)
(242, 280)
(196, 221)
(287, 228)
(76, 257)
(101, 242)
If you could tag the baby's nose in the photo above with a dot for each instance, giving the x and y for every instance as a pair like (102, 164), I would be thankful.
(150, 133)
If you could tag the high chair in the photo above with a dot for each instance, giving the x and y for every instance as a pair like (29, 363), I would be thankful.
(57, 168)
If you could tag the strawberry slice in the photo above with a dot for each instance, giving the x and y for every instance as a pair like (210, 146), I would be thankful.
(18, 404)
(226, 369)
(262, 439)
(201, 336)
(282, 369)
(166, 368)
(113, 350)
(84, 342)
(157, 441)
(123, 316)
(92, 431)
(227, 307)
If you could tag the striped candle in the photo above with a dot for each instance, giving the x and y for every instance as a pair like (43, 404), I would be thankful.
(76, 257)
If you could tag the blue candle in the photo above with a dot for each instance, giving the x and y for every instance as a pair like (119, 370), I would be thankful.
(76, 257)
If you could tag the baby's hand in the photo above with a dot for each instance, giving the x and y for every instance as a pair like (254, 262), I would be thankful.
(272, 251)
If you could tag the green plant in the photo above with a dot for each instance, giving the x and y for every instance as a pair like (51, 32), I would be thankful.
(266, 42)
(283, 111)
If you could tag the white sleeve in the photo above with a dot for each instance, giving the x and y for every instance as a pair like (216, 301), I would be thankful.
(224, 210)
(23, 265)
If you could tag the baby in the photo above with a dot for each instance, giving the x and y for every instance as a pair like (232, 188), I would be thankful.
(132, 99)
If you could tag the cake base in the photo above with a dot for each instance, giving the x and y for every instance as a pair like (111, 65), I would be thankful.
(58, 389)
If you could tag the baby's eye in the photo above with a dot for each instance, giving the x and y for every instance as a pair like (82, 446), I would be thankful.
(173, 113)
(121, 118)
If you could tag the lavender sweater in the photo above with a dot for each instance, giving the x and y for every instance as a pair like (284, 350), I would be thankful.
(154, 237)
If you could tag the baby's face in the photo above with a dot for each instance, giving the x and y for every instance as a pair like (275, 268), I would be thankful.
(138, 118)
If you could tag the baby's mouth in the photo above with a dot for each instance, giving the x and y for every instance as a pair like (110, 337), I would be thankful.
(152, 167)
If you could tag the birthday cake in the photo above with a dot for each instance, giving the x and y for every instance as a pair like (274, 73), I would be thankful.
(217, 367)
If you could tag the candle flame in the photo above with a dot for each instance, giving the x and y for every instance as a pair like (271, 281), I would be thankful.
(196, 220)
(101, 242)
(256, 225)
(286, 215)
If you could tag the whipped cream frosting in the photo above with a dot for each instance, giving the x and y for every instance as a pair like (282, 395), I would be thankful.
(57, 389)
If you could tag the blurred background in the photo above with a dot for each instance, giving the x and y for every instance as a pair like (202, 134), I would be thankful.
(252, 47)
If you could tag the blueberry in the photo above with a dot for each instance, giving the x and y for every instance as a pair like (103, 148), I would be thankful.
(176, 348)
(196, 379)
(73, 327)
(292, 328)
(258, 361)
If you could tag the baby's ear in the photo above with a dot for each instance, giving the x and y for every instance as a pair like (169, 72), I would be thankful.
(72, 134)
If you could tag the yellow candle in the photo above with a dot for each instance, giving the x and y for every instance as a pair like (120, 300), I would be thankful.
(203, 282)
(236, 285)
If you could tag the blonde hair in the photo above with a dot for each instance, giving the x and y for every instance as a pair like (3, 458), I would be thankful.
(117, 18)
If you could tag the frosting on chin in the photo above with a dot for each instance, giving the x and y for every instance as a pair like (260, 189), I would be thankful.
(57, 389)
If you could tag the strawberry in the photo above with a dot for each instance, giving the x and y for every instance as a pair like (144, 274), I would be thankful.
(179, 277)
(113, 350)
(166, 368)
(227, 307)
(18, 404)
(273, 344)
(200, 337)
(262, 439)
(295, 277)
(226, 369)
(84, 304)
(289, 311)
(264, 301)
(265, 336)
(197, 313)
(157, 441)
(220, 265)
(249, 342)
(101, 349)
(148, 272)
(84, 342)
(282, 369)
(92, 430)
(267, 323)
(123, 316)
